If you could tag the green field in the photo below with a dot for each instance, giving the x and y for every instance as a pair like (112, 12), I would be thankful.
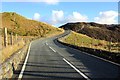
(86, 41)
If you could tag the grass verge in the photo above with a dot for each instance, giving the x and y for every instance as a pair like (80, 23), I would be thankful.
(5, 53)
(86, 41)
(85, 47)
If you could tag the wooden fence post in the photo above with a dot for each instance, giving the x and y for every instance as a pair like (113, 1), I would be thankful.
(5, 37)
(11, 39)
(16, 38)
(0, 40)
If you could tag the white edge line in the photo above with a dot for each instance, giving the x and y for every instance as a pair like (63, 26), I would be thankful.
(24, 65)
(97, 57)
(76, 69)
(52, 49)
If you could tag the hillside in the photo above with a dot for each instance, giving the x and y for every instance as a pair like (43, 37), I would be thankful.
(25, 27)
(95, 30)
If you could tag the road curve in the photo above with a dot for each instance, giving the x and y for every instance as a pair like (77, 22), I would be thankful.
(48, 59)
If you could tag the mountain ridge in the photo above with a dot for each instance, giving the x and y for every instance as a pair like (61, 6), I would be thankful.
(95, 30)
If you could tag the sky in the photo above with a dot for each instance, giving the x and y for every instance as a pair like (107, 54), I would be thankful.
(58, 13)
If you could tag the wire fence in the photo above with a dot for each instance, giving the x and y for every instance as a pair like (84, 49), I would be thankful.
(9, 39)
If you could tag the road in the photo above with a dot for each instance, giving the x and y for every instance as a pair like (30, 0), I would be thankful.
(48, 59)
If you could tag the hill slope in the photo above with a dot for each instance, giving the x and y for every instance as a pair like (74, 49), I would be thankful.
(25, 27)
(94, 30)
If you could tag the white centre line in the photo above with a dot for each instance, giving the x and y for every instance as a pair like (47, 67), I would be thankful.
(52, 49)
(46, 43)
(24, 65)
(76, 69)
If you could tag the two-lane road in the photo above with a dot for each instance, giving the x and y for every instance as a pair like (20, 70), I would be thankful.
(48, 59)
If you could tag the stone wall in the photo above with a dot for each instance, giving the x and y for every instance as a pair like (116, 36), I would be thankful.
(7, 68)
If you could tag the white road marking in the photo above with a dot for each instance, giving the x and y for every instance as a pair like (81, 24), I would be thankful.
(97, 57)
(60, 54)
(24, 65)
(72, 54)
(76, 69)
(46, 43)
(52, 49)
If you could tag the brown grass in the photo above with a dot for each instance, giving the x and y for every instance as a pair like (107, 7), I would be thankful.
(54, 33)
(5, 53)
(25, 27)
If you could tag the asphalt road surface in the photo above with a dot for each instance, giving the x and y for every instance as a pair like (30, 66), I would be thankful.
(48, 59)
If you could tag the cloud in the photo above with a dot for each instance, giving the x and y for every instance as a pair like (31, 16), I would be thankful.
(61, 0)
(77, 17)
(51, 2)
(36, 16)
(57, 16)
(107, 17)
